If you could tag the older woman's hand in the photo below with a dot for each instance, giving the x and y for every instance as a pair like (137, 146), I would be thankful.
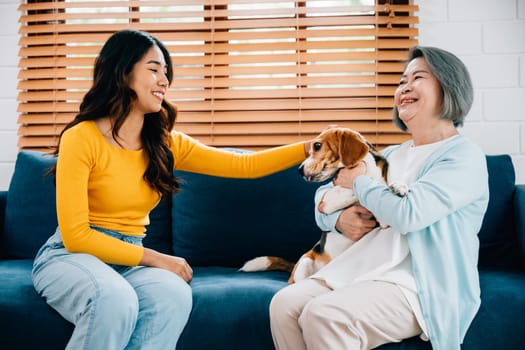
(346, 176)
(354, 222)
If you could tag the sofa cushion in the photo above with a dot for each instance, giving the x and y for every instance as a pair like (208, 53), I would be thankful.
(497, 236)
(231, 309)
(499, 321)
(26, 321)
(30, 215)
(224, 221)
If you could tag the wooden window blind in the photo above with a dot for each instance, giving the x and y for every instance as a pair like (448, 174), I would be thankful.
(247, 73)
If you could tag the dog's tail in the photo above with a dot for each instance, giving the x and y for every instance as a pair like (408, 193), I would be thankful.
(267, 263)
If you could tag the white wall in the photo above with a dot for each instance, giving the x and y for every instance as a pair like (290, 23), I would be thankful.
(488, 35)
(8, 92)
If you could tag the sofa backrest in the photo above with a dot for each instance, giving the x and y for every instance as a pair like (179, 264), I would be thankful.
(498, 237)
(30, 214)
(219, 221)
(30, 210)
(225, 222)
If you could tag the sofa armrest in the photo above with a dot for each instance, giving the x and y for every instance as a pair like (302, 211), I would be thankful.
(3, 201)
(519, 207)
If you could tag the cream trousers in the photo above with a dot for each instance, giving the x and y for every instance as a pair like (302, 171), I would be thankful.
(309, 315)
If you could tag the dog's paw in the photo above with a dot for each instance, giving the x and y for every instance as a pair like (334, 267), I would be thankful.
(305, 268)
(383, 225)
(399, 188)
(337, 198)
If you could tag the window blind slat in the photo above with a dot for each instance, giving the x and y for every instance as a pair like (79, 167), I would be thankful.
(285, 33)
(339, 115)
(222, 25)
(243, 105)
(171, 10)
(218, 49)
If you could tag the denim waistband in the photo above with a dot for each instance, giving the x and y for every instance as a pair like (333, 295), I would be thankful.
(55, 241)
(120, 236)
(54, 247)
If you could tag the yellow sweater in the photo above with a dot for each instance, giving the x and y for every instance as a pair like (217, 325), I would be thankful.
(100, 184)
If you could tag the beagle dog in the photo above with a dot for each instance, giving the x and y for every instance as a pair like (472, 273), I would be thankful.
(332, 150)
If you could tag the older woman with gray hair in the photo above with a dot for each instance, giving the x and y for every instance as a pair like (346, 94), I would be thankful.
(419, 275)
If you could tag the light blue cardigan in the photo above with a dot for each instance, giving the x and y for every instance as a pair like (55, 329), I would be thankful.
(441, 216)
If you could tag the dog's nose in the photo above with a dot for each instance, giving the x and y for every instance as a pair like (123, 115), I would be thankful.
(300, 169)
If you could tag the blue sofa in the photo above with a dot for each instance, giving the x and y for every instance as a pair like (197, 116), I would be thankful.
(217, 224)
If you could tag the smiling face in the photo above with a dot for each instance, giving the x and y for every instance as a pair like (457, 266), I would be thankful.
(418, 97)
(149, 81)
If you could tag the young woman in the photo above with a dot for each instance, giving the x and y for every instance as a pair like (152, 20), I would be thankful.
(419, 276)
(115, 162)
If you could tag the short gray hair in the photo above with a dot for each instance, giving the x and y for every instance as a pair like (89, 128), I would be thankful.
(454, 79)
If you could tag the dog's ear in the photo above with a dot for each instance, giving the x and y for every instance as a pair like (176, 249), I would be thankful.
(353, 147)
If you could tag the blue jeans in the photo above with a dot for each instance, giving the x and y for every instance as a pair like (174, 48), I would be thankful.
(112, 306)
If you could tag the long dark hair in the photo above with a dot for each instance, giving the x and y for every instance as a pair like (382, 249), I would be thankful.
(110, 95)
